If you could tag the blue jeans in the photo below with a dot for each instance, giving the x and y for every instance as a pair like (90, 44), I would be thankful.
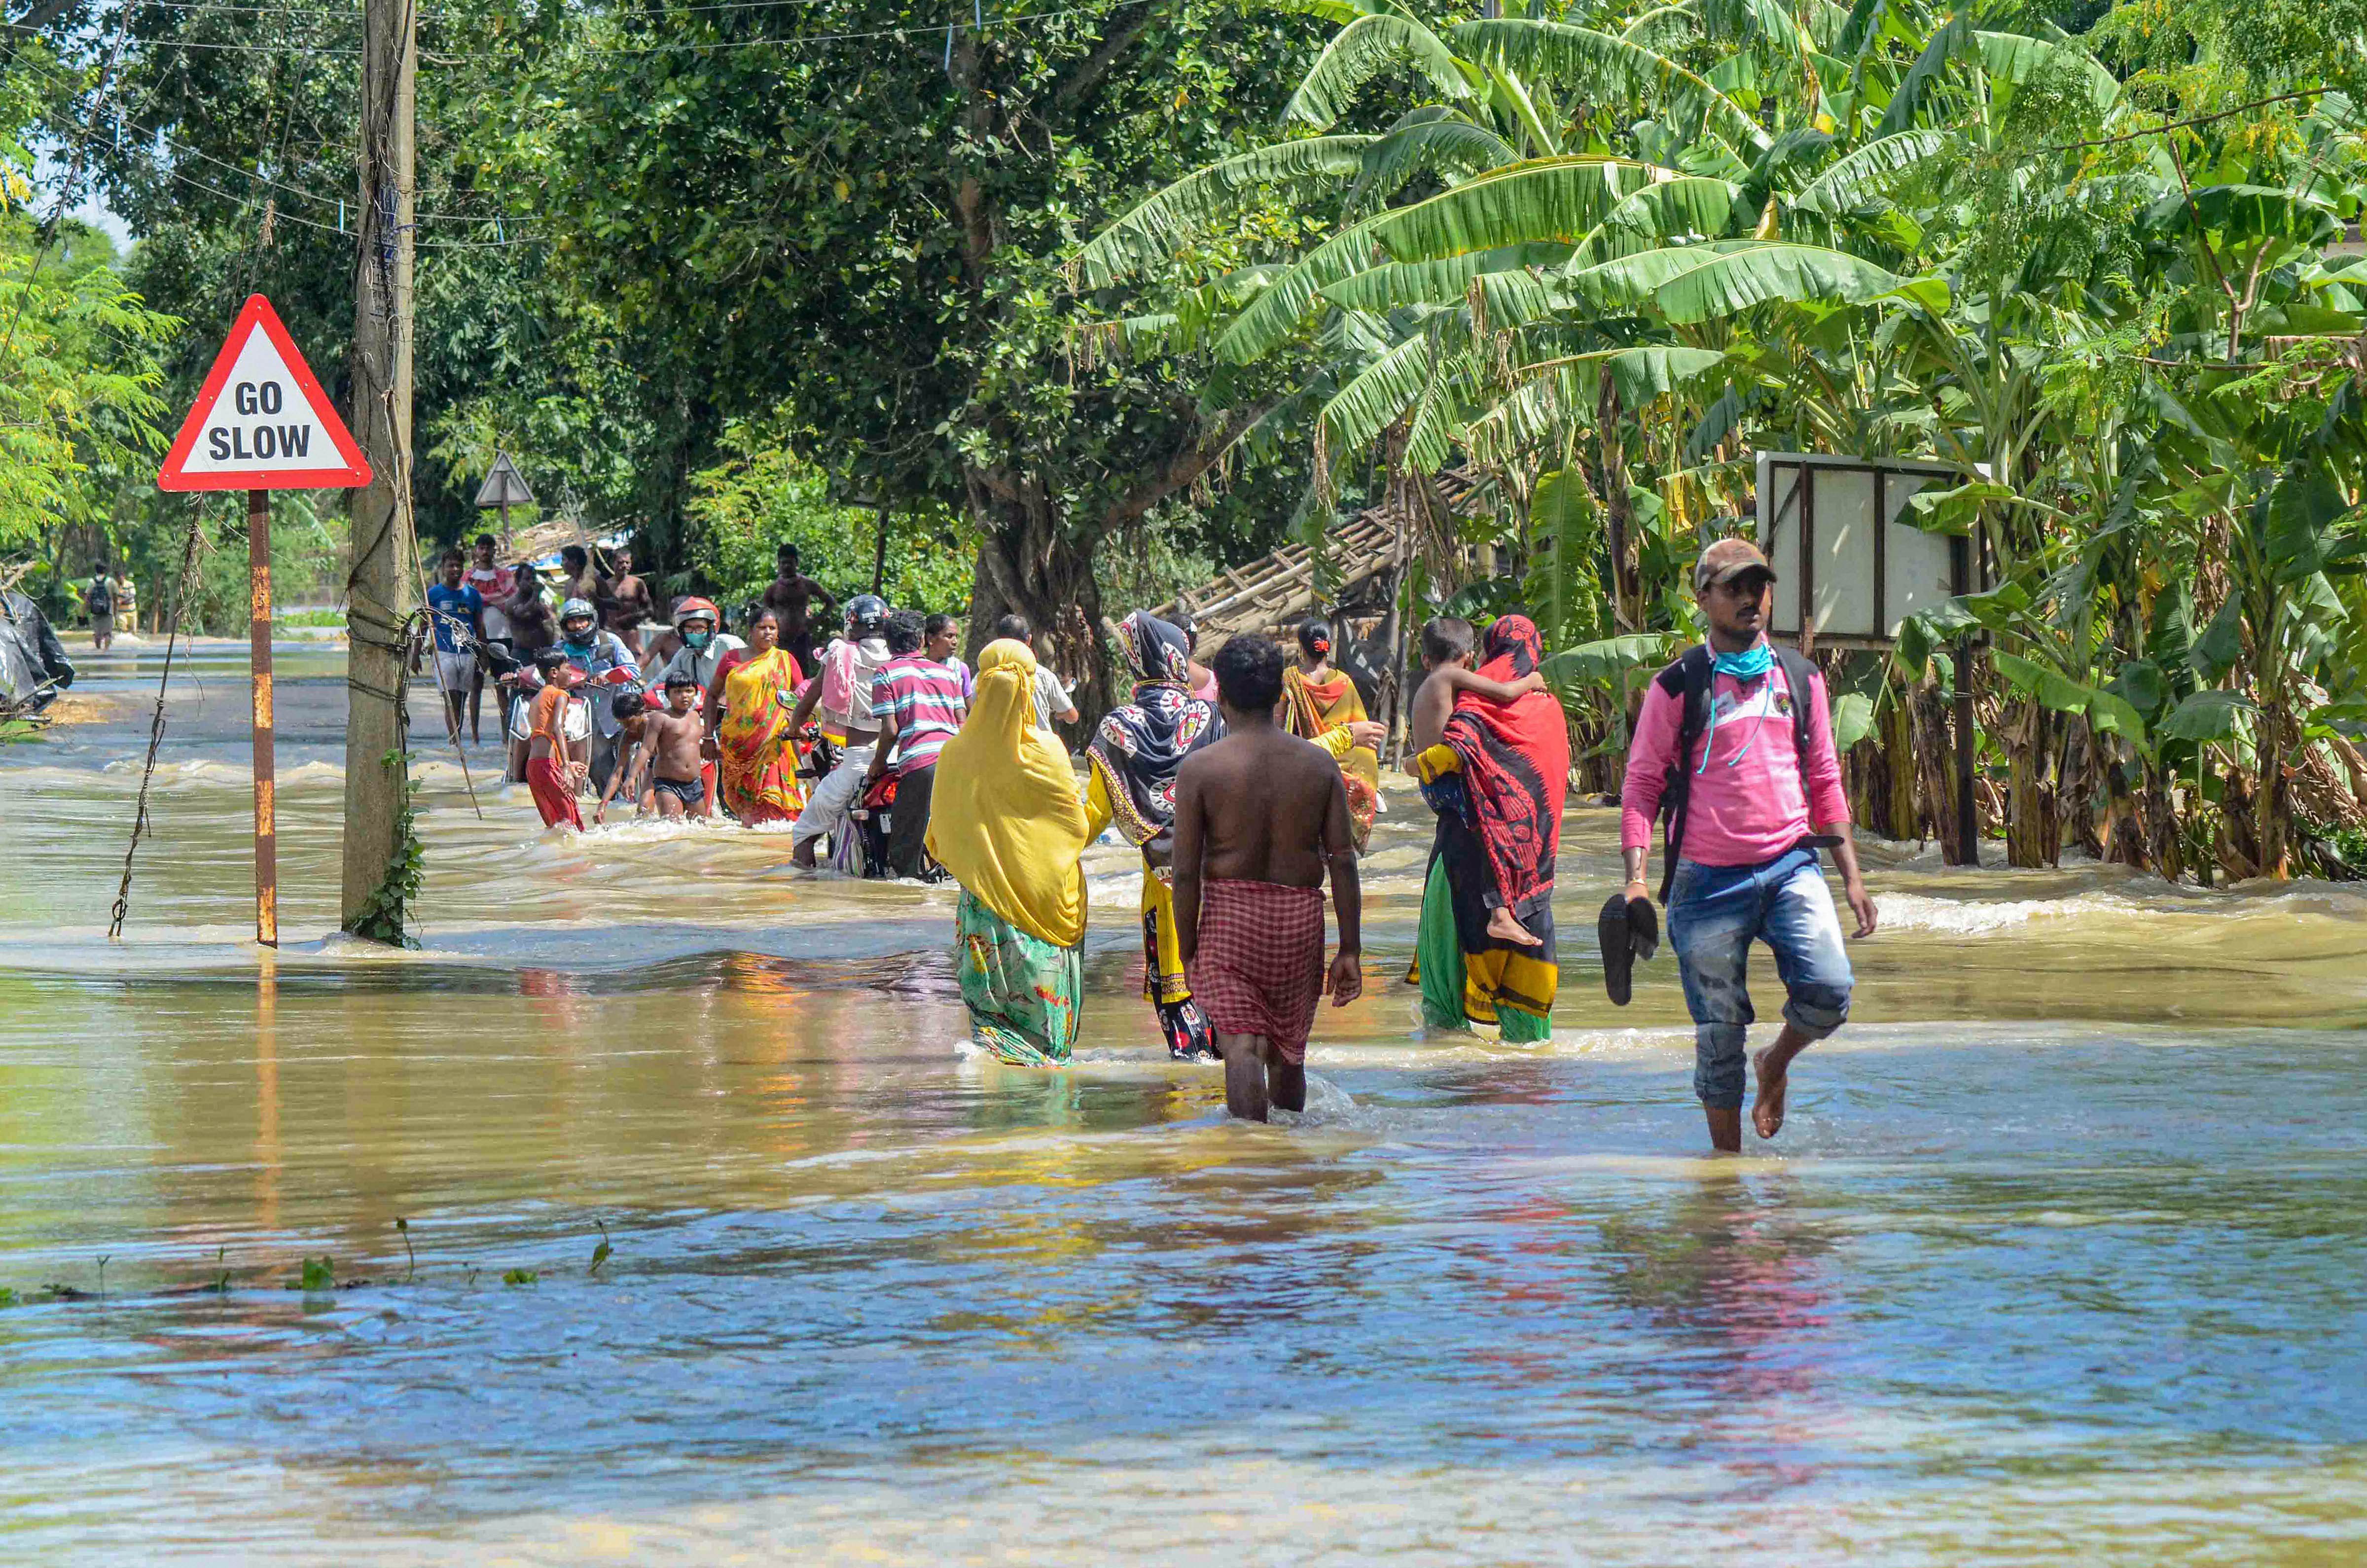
(1713, 913)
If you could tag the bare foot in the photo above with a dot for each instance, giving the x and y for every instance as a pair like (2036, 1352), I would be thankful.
(1767, 1110)
(1503, 928)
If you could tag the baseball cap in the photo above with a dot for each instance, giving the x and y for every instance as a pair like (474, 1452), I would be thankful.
(1727, 560)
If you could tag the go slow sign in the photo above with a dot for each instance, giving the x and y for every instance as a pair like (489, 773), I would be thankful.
(261, 421)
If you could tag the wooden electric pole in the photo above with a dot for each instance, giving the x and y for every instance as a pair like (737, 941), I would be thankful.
(378, 590)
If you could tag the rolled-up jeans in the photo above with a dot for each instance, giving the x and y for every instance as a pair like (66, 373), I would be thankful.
(834, 797)
(1715, 912)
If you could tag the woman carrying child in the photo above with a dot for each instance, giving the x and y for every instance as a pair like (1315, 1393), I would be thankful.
(1491, 748)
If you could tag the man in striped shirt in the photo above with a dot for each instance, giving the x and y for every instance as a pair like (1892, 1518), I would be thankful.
(921, 702)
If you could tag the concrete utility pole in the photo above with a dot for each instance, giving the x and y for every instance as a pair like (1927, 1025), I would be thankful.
(377, 588)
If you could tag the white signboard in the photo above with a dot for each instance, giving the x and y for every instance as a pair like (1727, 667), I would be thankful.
(1841, 537)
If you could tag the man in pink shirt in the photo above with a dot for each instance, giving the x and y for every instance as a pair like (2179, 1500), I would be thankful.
(1745, 781)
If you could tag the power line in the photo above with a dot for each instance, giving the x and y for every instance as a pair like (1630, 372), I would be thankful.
(207, 8)
(979, 26)
(339, 202)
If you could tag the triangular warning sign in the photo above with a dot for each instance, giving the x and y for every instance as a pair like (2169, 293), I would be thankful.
(505, 486)
(262, 421)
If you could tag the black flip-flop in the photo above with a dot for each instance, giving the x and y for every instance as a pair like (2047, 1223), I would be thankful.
(1644, 927)
(1612, 932)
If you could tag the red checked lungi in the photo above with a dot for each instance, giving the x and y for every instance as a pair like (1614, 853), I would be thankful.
(552, 797)
(1259, 969)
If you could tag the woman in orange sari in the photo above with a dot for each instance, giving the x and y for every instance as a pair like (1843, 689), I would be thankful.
(1321, 705)
(748, 723)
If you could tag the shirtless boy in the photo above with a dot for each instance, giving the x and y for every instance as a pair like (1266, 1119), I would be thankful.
(1259, 814)
(1446, 646)
(624, 600)
(670, 741)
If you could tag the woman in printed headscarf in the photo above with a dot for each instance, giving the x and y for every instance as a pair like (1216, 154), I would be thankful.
(1134, 755)
(1007, 822)
(1321, 704)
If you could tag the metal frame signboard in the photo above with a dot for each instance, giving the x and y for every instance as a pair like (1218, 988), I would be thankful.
(1835, 530)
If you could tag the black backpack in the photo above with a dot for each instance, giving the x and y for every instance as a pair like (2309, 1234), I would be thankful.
(1689, 679)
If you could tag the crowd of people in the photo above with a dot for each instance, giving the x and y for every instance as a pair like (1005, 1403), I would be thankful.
(1244, 784)
(594, 700)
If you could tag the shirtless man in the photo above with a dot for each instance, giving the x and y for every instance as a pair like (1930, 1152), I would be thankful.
(624, 600)
(790, 595)
(575, 576)
(1259, 814)
(494, 585)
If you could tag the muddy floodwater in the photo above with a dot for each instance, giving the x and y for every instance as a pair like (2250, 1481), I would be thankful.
(2058, 1259)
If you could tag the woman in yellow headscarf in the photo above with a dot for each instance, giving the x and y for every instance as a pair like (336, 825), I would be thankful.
(1320, 704)
(748, 718)
(1008, 822)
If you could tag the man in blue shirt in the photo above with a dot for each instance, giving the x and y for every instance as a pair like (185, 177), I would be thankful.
(458, 612)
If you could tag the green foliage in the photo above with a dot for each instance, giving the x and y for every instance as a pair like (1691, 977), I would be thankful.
(317, 1275)
(79, 407)
(763, 495)
(2087, 278)
(515, 1277)
(385, 914)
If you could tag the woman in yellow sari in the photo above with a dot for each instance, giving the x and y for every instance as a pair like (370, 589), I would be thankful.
(748, 720)
(1321, 705)
(1007, 821)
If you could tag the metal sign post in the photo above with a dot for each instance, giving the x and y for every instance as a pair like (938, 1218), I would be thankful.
(258, 640)
(503, 488)
(262, 423)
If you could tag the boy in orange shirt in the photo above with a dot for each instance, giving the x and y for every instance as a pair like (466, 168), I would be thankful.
(550, 772)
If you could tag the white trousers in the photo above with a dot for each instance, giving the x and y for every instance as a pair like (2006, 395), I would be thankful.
(826, 809)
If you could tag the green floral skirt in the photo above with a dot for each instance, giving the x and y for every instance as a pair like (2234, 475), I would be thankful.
(1022, 991)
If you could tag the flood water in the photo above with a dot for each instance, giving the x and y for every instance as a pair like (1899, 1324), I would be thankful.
(2058, 1257)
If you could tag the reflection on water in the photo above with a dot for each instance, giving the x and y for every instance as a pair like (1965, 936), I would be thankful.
(2057, 1259)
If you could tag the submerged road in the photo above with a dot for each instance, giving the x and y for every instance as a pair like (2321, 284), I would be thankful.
(2056, 1259)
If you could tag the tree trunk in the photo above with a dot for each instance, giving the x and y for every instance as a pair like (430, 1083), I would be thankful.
(2034, 834)
(1031, 562)
(2275, 808)
(1935, 772)
(1627, 579)
(1898, 757)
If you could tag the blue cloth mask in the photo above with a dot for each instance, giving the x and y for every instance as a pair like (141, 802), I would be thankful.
(1751, 664)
